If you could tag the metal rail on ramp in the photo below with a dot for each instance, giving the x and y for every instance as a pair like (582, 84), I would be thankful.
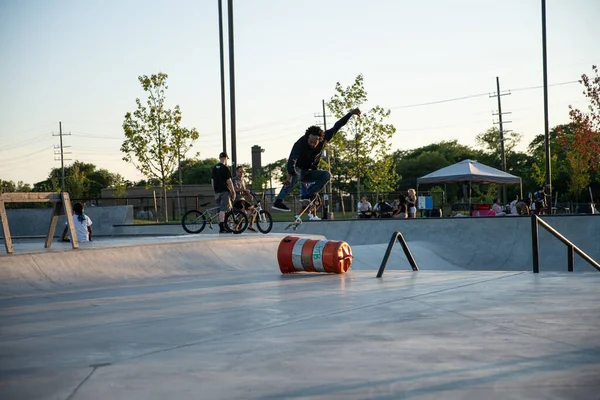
(397, 236)
(571, 248)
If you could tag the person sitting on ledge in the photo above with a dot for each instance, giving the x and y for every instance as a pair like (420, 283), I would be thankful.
(83, 225)
(364, 208)
(497, 208)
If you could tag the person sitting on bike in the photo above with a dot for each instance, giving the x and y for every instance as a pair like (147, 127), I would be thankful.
(304, 159)
(240, 201)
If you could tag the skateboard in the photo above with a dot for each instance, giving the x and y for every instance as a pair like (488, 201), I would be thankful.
(316, 202)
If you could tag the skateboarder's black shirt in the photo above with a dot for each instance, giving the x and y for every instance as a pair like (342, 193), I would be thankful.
(307, 158)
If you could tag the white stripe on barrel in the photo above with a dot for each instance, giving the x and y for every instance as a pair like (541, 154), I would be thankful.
(297, 254)
(317, 255)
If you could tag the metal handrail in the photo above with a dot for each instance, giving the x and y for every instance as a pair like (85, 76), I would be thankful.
(571, 248)
(411, 260)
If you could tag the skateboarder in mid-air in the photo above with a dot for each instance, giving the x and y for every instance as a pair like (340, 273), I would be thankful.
(304, 160)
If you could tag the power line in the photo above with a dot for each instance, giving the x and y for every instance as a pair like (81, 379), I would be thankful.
(20, 158)
(270, 124)
(36, 139)
(472, 96)
(92, 136)
(32, 129)
(441, 101)
(541, 86)
(427, 128)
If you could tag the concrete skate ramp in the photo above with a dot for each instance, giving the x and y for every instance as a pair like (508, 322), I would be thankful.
(112, 261)
(369, 257)
(495, 243)
(484, 244)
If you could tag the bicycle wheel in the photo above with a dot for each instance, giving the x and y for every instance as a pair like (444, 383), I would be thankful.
(193, 221)
(264, 221)
(236, 221)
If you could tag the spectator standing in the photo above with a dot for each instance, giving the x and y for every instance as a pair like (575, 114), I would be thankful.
(513, 205)
(411, 203)
(223, 187)
(539, 198)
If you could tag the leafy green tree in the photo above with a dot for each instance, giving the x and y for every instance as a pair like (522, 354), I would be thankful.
(100, 179)
(154, 139)
(82, 180)
(383, 182)
(342, 180)
(77, 184)
(582, 140)
(7, 186)
(120, 185)
(260, 181)
(491, 143)
(276, 172)
(413, 164)
(10, 186)
(197, 172)
(558, 162)
(365, 143)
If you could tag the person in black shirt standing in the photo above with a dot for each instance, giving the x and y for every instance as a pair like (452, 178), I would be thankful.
(540, 201)
(304, 160)
(223, 188)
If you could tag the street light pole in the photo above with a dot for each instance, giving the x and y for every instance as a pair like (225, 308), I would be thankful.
(329, 194)
(546, 121)
(222, 58)
(232, 86)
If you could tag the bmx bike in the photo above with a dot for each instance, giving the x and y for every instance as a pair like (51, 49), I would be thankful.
(194, 221)
(255, 213)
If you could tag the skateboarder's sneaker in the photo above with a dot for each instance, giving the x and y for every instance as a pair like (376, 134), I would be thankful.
(313, 218)
(278, 205)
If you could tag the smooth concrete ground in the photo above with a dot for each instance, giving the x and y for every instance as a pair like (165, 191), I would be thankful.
(260, 335)
(230, 326)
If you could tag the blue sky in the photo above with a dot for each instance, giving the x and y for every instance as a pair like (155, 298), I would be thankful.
(78, 62)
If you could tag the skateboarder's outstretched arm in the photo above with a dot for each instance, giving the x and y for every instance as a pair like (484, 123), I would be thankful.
(338, 125)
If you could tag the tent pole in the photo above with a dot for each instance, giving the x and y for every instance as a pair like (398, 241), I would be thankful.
(521, 186)
(470, 189)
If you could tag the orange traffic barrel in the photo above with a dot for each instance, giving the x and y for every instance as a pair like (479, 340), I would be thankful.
(296, 255)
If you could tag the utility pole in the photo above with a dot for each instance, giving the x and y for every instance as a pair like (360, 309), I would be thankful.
(329, 195)
(501, 123)
(62, 156)
(223, 112)
(180, 172)
(232, 87)
(180, 190)
(546, 121)
(357, 164)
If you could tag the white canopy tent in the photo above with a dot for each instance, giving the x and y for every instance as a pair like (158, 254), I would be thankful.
(470, 171)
